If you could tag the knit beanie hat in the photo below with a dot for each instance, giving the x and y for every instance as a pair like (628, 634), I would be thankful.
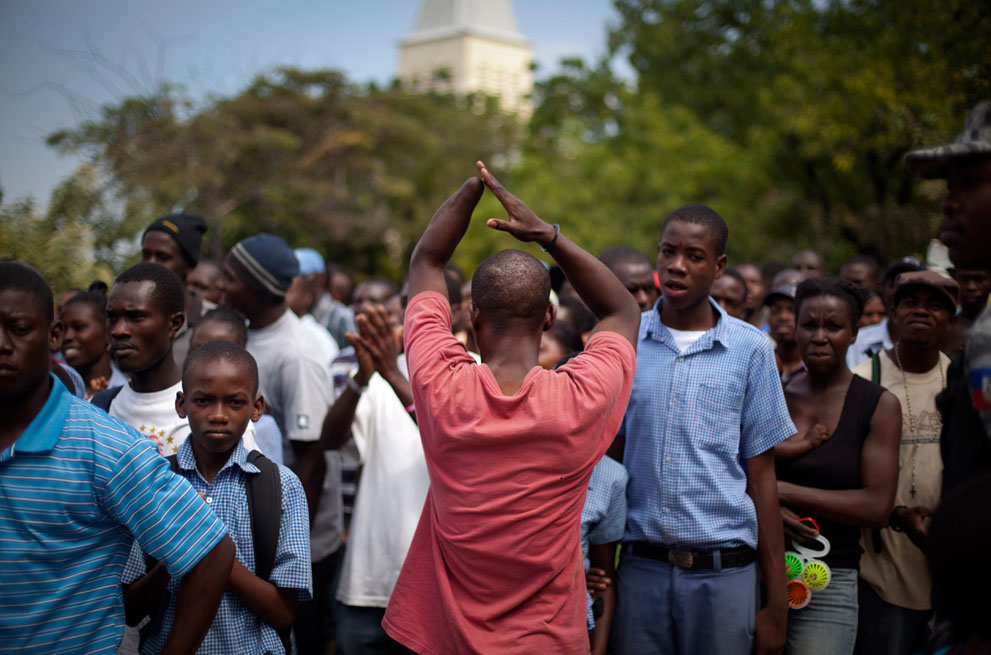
(186, 229)
(269, 260)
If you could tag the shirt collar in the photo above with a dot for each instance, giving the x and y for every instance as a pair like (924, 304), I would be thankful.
(654, 329)
(44, 431)
(187, 460)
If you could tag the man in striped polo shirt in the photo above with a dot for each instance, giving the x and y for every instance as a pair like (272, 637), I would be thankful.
(76, 487)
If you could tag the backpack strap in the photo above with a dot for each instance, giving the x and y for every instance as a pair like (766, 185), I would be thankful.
(102, 399)
(265, 509)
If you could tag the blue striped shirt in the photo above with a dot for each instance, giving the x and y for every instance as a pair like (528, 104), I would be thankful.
(693, 419)
(236, 629)
(604, 512)
(74, 488)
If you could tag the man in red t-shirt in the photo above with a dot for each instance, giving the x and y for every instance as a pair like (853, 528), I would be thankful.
(496, 564)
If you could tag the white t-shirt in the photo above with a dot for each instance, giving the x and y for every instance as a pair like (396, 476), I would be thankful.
(295, 381)
(394, 482)
(322, 342)
(685, 338)
(153, 415)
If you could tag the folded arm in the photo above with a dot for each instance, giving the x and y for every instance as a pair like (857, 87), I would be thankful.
(870, 505)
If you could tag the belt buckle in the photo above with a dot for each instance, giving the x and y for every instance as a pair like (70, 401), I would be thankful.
(681, 558)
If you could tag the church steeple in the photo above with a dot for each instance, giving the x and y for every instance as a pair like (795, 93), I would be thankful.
(469, 45)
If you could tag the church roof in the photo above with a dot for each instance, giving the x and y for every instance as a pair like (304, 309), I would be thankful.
(441, 19)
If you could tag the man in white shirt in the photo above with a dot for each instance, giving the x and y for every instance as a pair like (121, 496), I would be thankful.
(144, 312)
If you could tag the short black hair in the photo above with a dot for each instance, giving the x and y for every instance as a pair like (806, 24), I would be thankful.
(94, 299)
(231, 318)
(618, 255)
(814, 287)
(736, 275)
(226, 351)
(169, 293)
(18, 276)
(708, 218)
(512, 286)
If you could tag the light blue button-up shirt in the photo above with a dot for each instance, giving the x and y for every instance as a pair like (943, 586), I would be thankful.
(693, 420)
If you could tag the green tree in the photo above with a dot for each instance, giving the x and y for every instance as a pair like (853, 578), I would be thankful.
(61, 249)
(353, 171)
(828, 96)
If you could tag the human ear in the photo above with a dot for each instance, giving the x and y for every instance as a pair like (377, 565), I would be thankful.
(549, 316)
(175, 323)
(180, 404)
(473, 315)
(55, 332)
(720, 265)
(258, 409)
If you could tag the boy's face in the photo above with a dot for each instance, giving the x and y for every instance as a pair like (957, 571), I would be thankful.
(687, 264)
(27, 338)
(139, 330)
(218, 399)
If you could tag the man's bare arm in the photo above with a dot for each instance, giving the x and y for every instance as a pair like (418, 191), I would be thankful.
(771, 620)
(445, 231)
(597, 286)
(200, 592)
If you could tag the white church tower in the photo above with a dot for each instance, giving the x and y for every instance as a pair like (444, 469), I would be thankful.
(469, 45)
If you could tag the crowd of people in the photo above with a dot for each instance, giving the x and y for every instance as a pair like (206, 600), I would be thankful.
(607, 455)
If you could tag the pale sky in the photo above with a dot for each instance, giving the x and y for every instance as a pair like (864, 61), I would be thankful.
(210, 47)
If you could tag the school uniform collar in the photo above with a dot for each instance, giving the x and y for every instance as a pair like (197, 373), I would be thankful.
(239, 458)
(44, 431)
(653, 328)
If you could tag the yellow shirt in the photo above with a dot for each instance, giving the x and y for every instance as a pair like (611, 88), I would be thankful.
(899, 573)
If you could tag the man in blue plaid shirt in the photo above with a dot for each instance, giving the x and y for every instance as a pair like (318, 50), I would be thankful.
(706, 410)
(220, 396)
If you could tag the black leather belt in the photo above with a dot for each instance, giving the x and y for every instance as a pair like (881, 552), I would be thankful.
(688, 559)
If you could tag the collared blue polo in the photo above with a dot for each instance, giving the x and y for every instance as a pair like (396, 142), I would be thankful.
(692, 421)
(235, 628)
(74, 488)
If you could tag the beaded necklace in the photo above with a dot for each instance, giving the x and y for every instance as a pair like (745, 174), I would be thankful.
(908, 406)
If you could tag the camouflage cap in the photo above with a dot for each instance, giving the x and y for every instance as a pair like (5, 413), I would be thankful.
(975, 139)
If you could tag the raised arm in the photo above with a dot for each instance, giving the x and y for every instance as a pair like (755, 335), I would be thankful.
(445, 231)
(870, 505)
(597, 286)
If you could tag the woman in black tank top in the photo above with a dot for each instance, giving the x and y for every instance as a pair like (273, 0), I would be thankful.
(841, 468)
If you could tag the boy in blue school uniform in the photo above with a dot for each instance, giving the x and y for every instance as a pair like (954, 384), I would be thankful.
(220, 396)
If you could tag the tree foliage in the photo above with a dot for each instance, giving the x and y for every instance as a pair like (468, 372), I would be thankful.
(355, 172)
(829, 95)
(789, 117)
